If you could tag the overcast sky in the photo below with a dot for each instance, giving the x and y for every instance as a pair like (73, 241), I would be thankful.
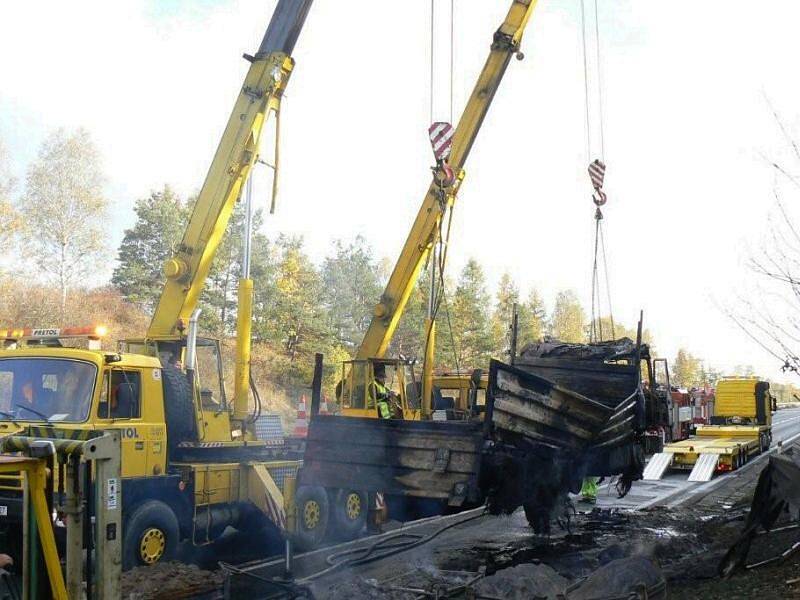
(685, 126)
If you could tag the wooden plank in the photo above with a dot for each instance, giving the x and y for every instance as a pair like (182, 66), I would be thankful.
(409, 459)
(535, 415)
(580, 408)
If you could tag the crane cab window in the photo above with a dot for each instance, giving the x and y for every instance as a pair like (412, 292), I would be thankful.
(120, 397)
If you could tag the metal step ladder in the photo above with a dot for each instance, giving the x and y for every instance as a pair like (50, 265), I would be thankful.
(704, 467)
(657, 466)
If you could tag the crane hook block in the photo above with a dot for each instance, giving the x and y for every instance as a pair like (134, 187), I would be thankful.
(441, 136)
(599, 198)
(597, 173)
(446, 176)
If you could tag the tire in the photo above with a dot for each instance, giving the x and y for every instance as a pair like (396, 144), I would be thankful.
(178, 406)
(150, 535)
(313, 515)
(348, 509)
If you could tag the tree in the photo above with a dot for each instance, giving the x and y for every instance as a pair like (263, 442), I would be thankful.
(351, 287)
(472, 334)
(220, 292)
(408, 338)
(299, 318)
(160, 220)
(9, 218)
(568, 318)
(64, 208)
(506, 299)
(686, 370)
(532, 319)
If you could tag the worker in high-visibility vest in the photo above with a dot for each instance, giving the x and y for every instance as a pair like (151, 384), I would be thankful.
(589, 490)
(381, 393)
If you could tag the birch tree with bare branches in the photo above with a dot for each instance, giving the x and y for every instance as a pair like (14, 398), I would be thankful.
(770, 313)
(64, 209)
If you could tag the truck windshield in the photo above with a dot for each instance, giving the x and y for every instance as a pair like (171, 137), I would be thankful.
(45, 389)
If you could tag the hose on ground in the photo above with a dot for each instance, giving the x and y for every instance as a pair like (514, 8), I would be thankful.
(381, 549)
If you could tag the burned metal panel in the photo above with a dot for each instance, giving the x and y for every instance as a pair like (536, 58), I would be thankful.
(607, 383)
(528, 405)
(412, 458)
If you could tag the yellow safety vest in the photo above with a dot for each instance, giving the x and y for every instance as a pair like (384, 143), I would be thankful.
(382, 400)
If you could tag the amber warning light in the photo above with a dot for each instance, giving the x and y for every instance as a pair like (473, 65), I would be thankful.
(91, 332)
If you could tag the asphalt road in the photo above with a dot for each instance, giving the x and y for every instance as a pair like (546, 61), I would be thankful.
(674, 488)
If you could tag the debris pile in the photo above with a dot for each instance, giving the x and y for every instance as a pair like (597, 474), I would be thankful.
(170, 580)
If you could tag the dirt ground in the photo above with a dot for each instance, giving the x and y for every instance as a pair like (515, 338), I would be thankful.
(600, 553)
(169, 581)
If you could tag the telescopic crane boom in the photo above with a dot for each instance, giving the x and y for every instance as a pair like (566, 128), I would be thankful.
(442, 193)
(236, 154)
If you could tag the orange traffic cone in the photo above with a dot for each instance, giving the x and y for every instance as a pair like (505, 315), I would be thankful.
(301, 423)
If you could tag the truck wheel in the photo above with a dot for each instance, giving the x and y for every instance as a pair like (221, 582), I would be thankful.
(150, 535)
(348, 513)
(312, 516)
(178, 406)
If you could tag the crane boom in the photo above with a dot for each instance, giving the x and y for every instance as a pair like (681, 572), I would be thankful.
(424, 231)
(260, 95)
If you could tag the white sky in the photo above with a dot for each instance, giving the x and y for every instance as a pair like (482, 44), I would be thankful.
(685, 121)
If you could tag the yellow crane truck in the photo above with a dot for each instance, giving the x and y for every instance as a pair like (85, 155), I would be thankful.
(191, 462)
(740, 429)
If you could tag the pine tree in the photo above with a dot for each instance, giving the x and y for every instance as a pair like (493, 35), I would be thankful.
(506, 299)
(532, 319)
(568, 318)
(470, 318)
(160, 220)
(350, 289)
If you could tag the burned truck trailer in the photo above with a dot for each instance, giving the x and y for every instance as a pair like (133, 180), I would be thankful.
(559, 413)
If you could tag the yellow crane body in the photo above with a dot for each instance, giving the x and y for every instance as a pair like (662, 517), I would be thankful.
(425, 229)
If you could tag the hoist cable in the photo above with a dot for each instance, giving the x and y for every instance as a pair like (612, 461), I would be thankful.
(430, 89)
(595, 308)
(608, 282)
(586, 83)
(452, 52)
(599, 82)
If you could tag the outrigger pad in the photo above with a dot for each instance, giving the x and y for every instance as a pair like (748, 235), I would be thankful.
(704, 467)
(657, 466)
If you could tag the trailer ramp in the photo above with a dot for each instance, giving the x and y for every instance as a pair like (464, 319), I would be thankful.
(657, 466)
(704, 467)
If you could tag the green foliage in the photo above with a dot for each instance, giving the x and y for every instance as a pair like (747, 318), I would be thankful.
(567, 323)
(532, 320)
(472, 332)
(409, 336)
(220, 292)
(299, 321)
(506, 298)
(350, 289)
(160, 220)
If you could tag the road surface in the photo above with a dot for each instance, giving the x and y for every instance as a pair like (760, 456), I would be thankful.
(674, 488)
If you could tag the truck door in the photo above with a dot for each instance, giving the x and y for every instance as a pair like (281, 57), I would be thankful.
(120, 408)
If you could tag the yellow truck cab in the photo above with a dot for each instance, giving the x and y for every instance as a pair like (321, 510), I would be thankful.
(185, 474)
(740, 429)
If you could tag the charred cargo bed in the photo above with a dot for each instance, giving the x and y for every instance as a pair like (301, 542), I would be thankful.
(562, 412)
(425, 459)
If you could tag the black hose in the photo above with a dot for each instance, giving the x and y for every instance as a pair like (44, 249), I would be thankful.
(389, 545)
(256, 397)
(294, 590)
